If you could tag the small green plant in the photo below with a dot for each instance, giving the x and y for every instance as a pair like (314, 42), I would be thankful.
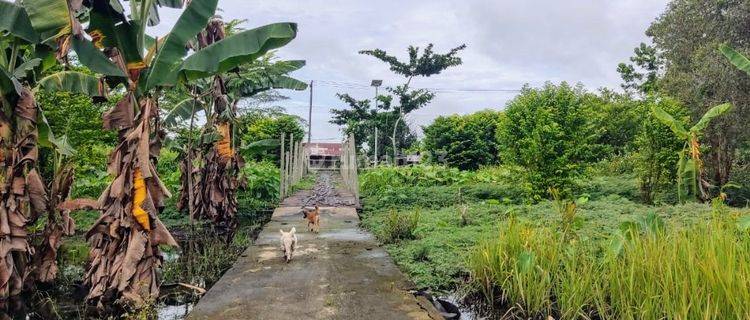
(400, 226)
(422, 253)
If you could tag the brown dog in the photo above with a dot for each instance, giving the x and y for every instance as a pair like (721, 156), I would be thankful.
(313, 218)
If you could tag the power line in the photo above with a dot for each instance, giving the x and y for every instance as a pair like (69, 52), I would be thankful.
(359, 86)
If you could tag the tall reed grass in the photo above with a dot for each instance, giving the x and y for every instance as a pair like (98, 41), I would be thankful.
(653, 271)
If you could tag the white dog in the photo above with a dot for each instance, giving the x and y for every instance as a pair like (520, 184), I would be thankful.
(288, 243)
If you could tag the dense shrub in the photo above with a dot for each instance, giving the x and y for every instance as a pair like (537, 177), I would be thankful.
(261, 187)
(548, 133)
(465, 142)
(378, 180)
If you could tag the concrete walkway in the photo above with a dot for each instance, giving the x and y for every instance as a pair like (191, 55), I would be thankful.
(340, 273)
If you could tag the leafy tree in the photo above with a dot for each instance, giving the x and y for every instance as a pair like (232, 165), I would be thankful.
(643, 75)
(548, 133)
(420, 64)
(616, 120)
(656, 147)
(254, 127)
(467, 142)
(686, 36)
(361, 118)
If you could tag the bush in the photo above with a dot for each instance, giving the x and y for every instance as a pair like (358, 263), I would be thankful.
(657, 148)
(261, 190)
(381, 179)
(399, 226)
(465, 142)
(547, 132)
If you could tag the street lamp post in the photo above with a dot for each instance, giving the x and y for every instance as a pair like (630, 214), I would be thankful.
(376, 84)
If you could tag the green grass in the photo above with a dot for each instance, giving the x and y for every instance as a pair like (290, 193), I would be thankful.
(441, 230)
(604, 256)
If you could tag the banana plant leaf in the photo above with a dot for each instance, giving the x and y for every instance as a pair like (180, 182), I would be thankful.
(48, 139)
(710, 115)
(166, 63)
(249, 87)
(238, 49)
(181, 111)
(94, 59)
(48, 17)
(260, 146)
(71, 81)
(736, 58)
(683, 180)
(28, 65)
(677, 126)
(111, 29)
(175, 4)
(9, 84)
(15, 21)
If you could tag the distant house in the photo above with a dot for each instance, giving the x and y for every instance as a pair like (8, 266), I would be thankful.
(324, 155)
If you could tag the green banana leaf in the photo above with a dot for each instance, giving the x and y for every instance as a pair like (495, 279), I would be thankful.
(181, 111)
(94, 59)
(677, 127)
(260, 146)
(115, 31)
(244, 88)
(8, 84)
(15, 21)
(29, 65)
(47, 138)
(710, 115)
(736, 58)
(174, 4)
(70, 81)
(683, 180)
(48, 17)
(166, 63)
(238, 49)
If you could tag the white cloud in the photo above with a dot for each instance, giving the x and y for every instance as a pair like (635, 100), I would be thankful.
(510, 43)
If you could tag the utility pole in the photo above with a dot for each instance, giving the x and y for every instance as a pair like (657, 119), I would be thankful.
(376, 145)
(309, 115)
(376, 84)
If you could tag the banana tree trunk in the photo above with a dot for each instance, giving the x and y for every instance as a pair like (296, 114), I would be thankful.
(215, 188)
(124, 255)
(59, 224)
(22, 197)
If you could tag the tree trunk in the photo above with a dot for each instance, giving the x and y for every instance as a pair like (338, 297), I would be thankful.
(23, 197)
(125, 255)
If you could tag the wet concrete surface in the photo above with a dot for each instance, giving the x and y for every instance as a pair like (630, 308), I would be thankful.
(340, 273)
(325, 193)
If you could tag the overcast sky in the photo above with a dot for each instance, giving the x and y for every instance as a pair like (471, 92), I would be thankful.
(510, 43)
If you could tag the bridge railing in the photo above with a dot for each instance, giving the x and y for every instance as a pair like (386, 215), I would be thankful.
(294, 164)
(348, 166)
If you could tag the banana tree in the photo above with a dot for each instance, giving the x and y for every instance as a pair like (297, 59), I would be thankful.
(216, 162)
(125, 240)
(26, 55)
(125, 255)
(690, 174)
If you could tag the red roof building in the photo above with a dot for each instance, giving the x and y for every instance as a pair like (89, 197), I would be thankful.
(323, 155)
